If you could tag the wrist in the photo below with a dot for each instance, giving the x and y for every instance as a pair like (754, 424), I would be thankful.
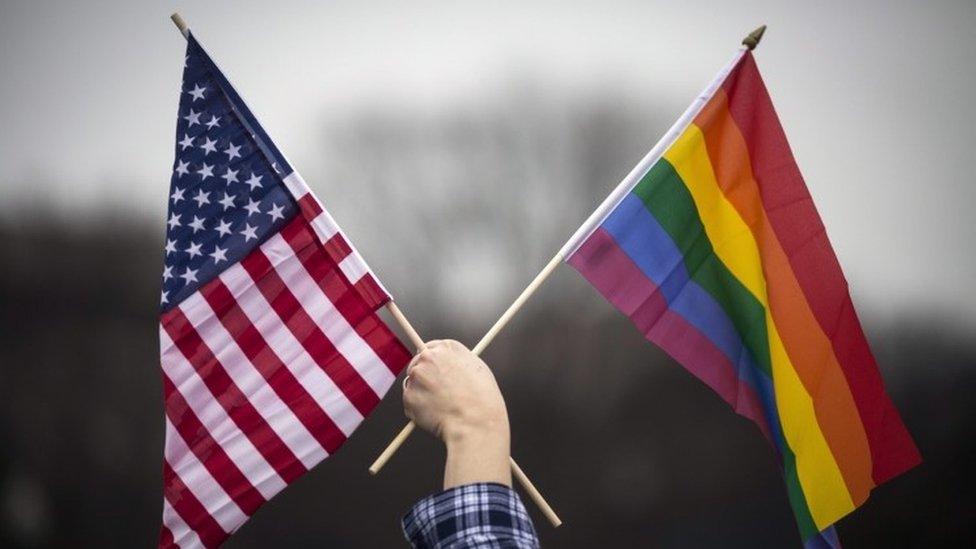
(490, 431)
(477, 454)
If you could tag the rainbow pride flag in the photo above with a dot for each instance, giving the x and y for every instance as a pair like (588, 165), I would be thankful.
(714, 249)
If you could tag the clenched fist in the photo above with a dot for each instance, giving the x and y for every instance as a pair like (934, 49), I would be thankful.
(452, 394)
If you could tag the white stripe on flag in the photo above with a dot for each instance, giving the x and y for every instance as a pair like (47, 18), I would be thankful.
(183, 536)
(290, 351)
(219, 425)
(296, 185)
(353, 268)
(251, 383)
(357, 352)
(325, 227)
(200, 483)
(631, 180)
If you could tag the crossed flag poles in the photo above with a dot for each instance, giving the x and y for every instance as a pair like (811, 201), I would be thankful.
(715, 223)
(404, 433)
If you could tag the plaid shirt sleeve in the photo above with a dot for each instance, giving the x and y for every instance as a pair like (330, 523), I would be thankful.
(483, 515)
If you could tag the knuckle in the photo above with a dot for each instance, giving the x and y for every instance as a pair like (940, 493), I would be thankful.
(457, 346)
(420, 373)
(420, 358)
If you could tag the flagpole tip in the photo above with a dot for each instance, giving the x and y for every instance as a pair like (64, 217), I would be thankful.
(180, 24)
(754, 37)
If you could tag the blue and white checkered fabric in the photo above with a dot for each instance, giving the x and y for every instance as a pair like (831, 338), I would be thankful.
(483, 515)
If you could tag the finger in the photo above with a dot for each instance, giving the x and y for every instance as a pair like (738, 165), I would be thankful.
(416, 358)
(421, 376)
(419, 358)
(456, 345)
(408, 405)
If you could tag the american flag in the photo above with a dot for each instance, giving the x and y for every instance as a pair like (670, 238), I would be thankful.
(271, 349)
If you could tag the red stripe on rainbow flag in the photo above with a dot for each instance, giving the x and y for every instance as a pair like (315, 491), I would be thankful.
(797, 224)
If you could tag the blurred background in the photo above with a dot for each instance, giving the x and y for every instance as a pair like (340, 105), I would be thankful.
(460, 144)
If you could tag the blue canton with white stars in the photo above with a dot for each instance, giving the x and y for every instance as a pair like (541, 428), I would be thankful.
(225, 197)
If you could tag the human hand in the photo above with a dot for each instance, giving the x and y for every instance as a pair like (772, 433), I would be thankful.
(452, 394)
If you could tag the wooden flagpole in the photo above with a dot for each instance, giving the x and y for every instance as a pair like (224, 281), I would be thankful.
(180, 24)
(418, 342)
(404, 433)
(749, 42)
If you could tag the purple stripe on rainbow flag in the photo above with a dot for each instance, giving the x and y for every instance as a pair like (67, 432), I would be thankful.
(608, 267)
(641, 236)
(827, 539)
(635, 230)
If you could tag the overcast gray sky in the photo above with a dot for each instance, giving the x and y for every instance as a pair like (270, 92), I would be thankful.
(876, 98)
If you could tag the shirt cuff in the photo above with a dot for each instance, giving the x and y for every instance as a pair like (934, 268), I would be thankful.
(473, 515)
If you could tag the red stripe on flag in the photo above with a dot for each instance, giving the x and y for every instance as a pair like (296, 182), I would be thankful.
(190, 509)
(371, 291)
(309, 206)
(337, 289)
(319, 347)
(209, 452)
(166, 538)
(264, 359)
(237, 405)
(336, 247)
(299, 235)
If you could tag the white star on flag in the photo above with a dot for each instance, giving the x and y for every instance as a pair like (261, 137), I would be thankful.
(276, 212)
(196, 224)
(249, 232)
(254, 181)
(205, 171)
(190, 275)
(197, 92)
(252, 207)
(230, 176)
(227, 201)
(209, 145)
(233, 151)
(218, 255)
(192, 118)
(187, 141)
(202, 198)
(182, 168)
(194, 250)
(223, 228)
